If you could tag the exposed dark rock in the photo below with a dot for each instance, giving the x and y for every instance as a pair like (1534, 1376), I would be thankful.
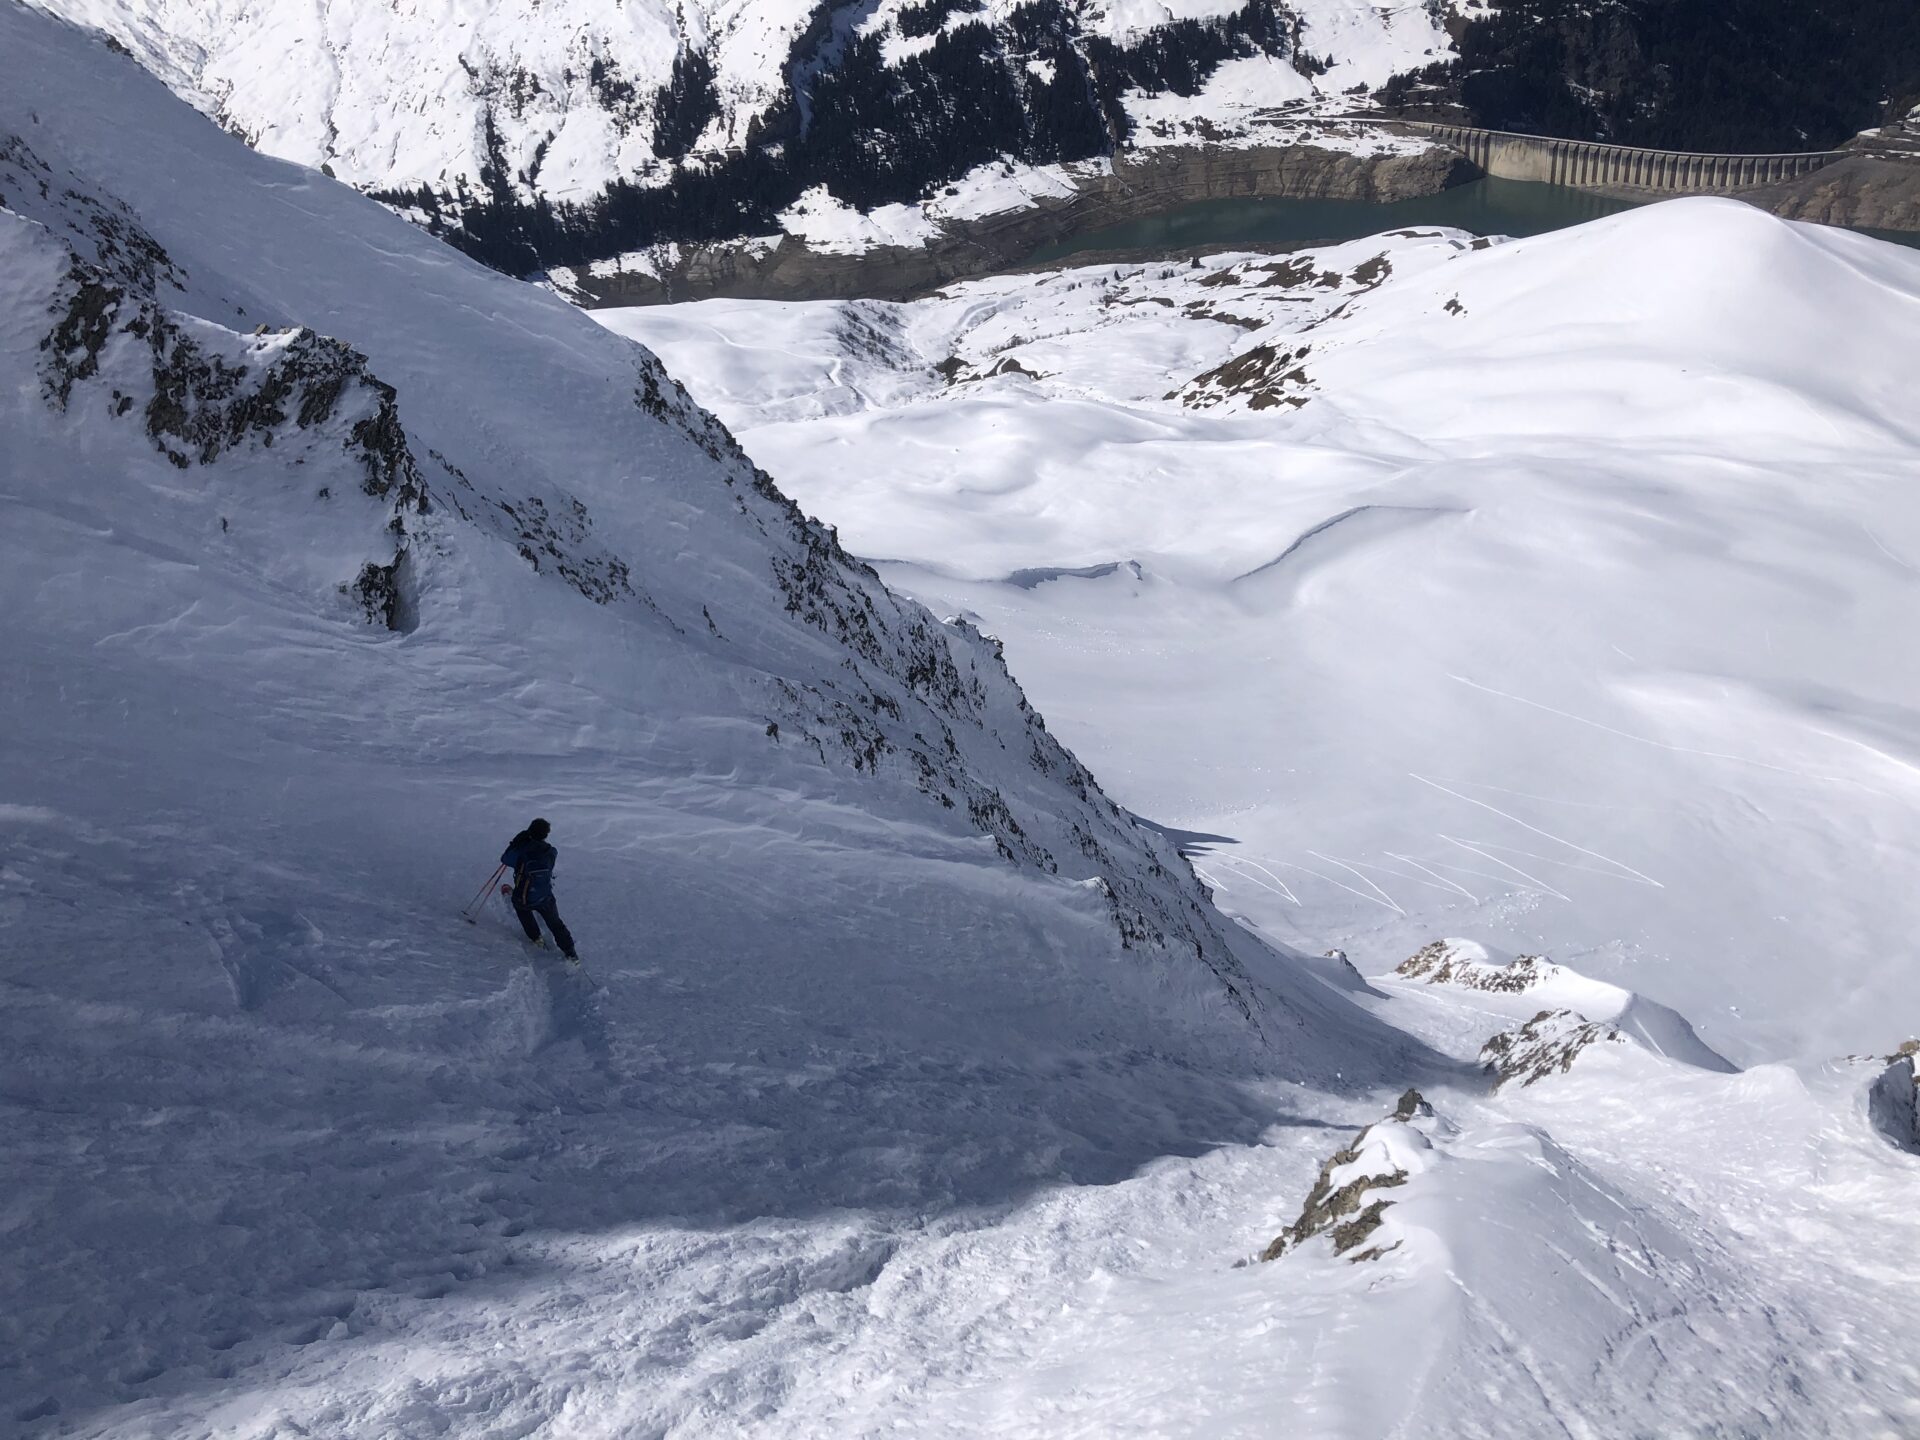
(1347, 1208)
(103, 233)
(1547, 1044)
(73, 345)
(1892, 1105)
(201, 403)
(1442, 963)
(378, 592)
(1264, 376)
(1296, 271)
(1369, 274)
(1864, 190)
(560, 540)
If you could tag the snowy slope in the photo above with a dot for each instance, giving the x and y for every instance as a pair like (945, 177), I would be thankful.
(392, 96)
(1555, 593)
(868, 1118)
(728, 114)
(304, 623)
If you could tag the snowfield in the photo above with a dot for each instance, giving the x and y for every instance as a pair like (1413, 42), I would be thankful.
(1554, 592)
(912, 1084)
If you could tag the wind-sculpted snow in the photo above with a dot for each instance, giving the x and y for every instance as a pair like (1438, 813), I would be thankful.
(1561, 610)
(1610, 1279)
(1557, 615)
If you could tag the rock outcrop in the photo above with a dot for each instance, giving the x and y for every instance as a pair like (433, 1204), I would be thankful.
(1546, 1045)
(1345, 1204)
(1462, 963)
(1892, 1103)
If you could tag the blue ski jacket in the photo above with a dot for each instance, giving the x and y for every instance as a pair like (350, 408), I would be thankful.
(532, 861)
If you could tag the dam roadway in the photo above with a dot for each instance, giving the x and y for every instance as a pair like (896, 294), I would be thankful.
(1592, 165)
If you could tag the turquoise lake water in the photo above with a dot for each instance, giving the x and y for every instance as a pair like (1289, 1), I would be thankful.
(1485, 207)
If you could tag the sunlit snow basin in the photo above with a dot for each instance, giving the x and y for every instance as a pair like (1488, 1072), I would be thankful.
(1570, 608)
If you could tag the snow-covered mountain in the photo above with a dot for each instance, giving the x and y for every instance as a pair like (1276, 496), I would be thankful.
(330, 557)
(649, 123)
(1554, 591)
(566, 96)
(912, 1086)
(563, 134)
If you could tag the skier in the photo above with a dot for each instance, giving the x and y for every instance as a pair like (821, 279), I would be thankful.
(532, 859)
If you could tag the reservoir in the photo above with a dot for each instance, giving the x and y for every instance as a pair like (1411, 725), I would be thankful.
(1484, 207)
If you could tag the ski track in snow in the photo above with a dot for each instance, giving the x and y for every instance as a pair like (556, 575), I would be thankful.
(1545, 835)
(1657, 744)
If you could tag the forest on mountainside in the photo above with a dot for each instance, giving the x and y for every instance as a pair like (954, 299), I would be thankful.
(1731, 76)
(1033, 87)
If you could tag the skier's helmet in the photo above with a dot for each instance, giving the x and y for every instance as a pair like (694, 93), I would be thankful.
(539, 829)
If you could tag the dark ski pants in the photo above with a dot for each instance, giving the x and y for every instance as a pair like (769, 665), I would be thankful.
(549, 911)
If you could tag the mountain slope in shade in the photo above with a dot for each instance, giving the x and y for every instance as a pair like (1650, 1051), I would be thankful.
(333, 557)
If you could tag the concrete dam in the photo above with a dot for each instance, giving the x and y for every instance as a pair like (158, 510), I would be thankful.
(1589, 165)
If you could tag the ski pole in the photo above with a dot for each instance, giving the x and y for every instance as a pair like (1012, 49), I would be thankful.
(485, 890)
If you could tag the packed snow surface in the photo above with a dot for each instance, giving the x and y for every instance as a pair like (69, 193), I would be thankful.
(911, 1086)
(1557, 592)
